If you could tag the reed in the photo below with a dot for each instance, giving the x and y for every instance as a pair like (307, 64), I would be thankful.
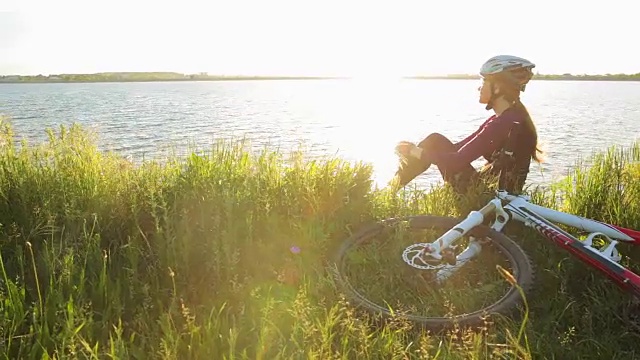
(223, 255)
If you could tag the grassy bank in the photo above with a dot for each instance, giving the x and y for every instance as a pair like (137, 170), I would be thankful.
(199, 259)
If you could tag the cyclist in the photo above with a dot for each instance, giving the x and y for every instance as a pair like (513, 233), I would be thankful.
(507, 139)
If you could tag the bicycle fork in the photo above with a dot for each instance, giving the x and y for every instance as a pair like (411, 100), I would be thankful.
(439, 249)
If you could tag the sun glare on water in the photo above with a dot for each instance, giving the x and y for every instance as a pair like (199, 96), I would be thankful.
(369, 115)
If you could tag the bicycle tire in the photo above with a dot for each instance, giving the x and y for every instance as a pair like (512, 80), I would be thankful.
(523, 274)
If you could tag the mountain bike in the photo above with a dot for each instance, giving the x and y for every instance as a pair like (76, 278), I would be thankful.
(438, 269)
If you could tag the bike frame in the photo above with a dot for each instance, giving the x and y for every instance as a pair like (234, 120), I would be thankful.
(506, 207)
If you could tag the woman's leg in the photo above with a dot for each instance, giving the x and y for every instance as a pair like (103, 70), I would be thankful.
(432, 144)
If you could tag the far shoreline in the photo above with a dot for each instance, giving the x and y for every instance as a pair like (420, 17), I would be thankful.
(123, 77)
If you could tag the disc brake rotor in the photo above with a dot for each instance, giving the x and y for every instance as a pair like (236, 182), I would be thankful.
(411, 255)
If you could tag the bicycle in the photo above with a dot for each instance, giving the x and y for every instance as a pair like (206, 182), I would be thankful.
(484, 227)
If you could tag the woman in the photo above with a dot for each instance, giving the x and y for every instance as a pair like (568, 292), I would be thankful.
(507, 140)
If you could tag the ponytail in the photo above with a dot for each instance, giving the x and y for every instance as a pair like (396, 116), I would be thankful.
(512, 95)
(531, 127)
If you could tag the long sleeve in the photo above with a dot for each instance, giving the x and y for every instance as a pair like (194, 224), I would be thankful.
(463, 142)
(484, 141)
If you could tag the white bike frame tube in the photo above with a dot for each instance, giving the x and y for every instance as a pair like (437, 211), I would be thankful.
(519, 205)
(579, 222)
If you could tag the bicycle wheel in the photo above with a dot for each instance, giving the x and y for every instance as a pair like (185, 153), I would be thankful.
(387, 299)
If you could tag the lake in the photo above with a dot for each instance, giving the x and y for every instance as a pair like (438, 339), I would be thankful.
(354, 119)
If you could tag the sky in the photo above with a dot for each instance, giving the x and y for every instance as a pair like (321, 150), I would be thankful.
(329, 37)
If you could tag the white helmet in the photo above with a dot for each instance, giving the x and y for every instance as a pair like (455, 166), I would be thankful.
(508, 68)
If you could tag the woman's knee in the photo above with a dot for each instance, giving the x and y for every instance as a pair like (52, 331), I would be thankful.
(436, 142)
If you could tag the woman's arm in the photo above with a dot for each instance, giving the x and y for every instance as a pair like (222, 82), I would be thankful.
(486, 140)
(462, 143)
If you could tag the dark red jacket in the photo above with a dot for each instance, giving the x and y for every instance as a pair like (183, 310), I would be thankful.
(488, 138)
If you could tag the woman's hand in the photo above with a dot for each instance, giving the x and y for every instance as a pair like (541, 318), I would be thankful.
(406, 149)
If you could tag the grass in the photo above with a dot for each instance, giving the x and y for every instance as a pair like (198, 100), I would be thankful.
(224, 256)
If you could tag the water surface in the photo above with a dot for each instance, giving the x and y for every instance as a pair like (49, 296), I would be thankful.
(354, 119)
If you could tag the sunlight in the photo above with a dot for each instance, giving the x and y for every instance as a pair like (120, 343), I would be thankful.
(292, 38)
(373, 114)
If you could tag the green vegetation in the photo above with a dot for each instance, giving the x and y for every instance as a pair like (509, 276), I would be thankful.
(190, 258)
(570, 77)
(173, 76)
(137, 77)
(587, 77)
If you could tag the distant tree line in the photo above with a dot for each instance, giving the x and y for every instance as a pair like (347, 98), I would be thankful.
(173, 76)
(612, 77)
(567, 76)
(102, 77)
